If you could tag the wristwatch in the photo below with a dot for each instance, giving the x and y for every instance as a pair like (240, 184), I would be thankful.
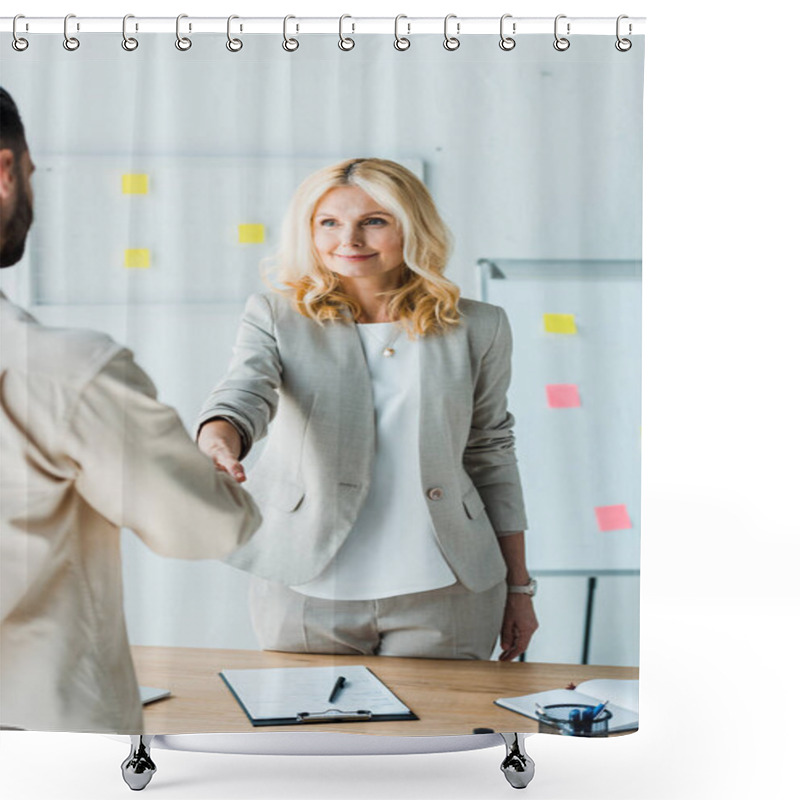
(529, 588)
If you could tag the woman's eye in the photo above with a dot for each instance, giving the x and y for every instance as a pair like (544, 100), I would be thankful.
(375, 221)
(327, 223)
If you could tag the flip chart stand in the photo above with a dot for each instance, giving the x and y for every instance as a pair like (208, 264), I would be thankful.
(592, 579)
(518, 767)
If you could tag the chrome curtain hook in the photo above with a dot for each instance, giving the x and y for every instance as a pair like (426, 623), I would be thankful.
(234, 45)
(561, 43)
(345, 42)
(289, 45)
(400, 42)
(18, 43)
(451, 42)
(623, 45)
(70, 42)
(182, 42)
(507, 42)
(128, 42)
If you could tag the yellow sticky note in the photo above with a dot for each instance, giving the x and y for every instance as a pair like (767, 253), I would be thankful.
(560, 323)
(134, 184)
(251, 234)
(137, 259)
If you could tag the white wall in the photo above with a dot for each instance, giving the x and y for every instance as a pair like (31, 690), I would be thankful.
(530, 153)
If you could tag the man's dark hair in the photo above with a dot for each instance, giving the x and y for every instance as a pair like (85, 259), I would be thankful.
(12, 132)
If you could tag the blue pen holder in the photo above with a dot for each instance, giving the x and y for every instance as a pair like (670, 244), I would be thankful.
(571, 720)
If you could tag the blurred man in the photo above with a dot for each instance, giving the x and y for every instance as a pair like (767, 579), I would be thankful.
(86, 450)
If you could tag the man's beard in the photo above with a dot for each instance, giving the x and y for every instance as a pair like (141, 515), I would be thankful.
(16, 229)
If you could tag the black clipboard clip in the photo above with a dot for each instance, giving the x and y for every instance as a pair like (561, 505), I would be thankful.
(333, 715)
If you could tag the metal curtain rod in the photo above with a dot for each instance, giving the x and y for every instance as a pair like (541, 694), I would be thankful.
(460, 26)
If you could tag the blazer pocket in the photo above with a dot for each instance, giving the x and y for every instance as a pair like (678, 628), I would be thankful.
(473, 504)
(284, 495)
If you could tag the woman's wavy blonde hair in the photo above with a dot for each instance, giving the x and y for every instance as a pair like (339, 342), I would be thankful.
(425, 302)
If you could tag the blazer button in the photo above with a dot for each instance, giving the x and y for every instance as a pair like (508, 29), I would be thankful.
(435, 494)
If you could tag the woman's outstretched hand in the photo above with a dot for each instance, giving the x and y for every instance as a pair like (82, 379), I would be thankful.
(519, 624)
(220, 441)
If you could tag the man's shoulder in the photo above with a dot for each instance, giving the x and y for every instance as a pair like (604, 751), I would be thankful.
(65, 355)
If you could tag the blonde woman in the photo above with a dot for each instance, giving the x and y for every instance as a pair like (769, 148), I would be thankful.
(393, 513)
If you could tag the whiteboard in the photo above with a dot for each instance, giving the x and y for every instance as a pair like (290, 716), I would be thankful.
(574, 460)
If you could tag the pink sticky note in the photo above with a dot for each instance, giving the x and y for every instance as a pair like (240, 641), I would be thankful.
(612, 518)
(563, 395)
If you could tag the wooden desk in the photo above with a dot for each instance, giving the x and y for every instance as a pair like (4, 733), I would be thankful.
(449, 697)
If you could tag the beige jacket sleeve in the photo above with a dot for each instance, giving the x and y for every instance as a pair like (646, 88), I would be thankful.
(139, 468)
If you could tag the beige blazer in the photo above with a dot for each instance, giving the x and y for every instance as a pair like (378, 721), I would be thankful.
(87, 449)
(308, 387)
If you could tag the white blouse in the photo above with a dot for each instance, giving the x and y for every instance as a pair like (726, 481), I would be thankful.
(392, 548)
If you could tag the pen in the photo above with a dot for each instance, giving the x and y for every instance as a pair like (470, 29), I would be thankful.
(337, 687)
(598, 708)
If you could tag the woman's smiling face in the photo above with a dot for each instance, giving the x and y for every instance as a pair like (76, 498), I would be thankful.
(355, 236)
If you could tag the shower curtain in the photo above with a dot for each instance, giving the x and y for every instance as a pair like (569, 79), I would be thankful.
(165, 176)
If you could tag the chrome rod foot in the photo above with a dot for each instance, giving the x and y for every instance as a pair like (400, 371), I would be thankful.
(138, 768)
(517, 766)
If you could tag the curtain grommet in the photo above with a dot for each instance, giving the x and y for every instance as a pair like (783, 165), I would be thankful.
(451, 43)
(507, 42)
(401, 43)
(233, 44)
(71, 43)
(19, 43)
(561, 43)
(345, 42)
(183, 43)
(623, 45)
(289, 44)
(129, 43)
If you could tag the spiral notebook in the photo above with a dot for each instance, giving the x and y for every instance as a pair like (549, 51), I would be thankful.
(292, 695)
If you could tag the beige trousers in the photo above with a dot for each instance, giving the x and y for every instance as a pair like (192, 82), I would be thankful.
(452, 622)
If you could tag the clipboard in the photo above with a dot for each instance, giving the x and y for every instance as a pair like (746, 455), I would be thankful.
(300, 695)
